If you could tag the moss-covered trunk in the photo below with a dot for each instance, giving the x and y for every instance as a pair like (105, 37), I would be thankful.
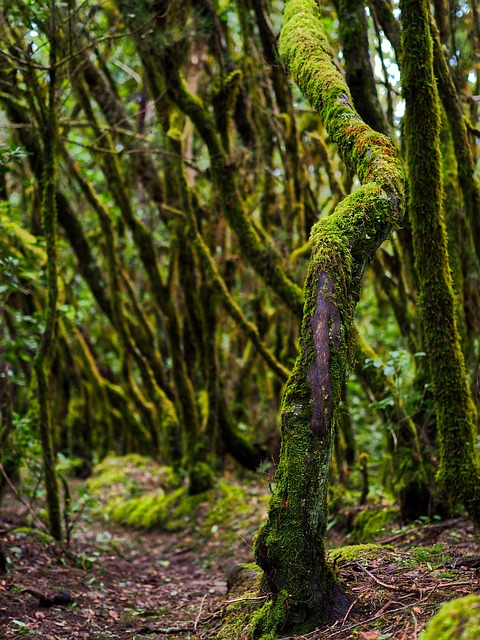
(42, 360)
(289, 547)
(459, 472)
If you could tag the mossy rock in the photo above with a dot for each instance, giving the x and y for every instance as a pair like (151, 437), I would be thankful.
(370, 524)
(458, 619)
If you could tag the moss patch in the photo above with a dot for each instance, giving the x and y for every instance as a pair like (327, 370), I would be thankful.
(135, 491)
(457, 620)
(33, 534)
(243, 601)
(128, 476)
(353, 552)
(370, 524)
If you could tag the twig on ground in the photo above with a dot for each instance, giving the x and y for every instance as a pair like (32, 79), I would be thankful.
(382, 584)
(244, 599)
(199, 613)
(350, 609)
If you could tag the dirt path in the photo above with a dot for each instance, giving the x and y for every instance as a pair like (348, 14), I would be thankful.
(118, 583)
(122, 584)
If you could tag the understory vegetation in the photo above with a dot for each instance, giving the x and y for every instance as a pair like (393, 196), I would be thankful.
(240, 317)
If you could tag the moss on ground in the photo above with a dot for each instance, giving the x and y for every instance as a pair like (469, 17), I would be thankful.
(128, 476)
(435, 555)
(353, 552)
(135, 491)
(243, 601)
(371, 524)
(27, 532)
(458, 619)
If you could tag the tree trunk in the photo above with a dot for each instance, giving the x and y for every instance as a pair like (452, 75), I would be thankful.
(459, 471)
(289, 547)
(42, 360)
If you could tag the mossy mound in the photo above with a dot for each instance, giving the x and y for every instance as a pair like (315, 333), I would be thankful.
(370, 524)
(457, 620)
(33, 534)
(353, 552)
(169, 511)
(201, 478)
(243, 600)
(136, 491)
(213, 511)
(129, 476)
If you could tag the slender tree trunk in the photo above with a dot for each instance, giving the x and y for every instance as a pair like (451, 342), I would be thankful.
(459, 471)
(42, 360)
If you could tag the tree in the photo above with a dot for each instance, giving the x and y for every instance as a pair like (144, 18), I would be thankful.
(342, 245)
(203, 208)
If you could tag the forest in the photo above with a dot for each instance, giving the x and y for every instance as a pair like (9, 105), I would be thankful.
(239, 319)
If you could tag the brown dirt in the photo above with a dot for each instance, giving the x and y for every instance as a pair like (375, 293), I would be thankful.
(130, 584)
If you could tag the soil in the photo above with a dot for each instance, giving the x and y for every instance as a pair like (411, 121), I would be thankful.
(117, 583)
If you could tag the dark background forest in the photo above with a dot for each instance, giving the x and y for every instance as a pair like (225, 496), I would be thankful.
(239, 258)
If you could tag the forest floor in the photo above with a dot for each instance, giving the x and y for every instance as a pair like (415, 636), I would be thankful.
(118, 583)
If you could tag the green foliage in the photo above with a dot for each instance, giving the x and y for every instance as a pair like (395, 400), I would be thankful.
(434, 556)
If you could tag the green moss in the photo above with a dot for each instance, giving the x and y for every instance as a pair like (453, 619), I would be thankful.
(458, 619)
(355, 551)
(370, 524)
(201, 478)
(245, 600)
(268, 621)
(434, 555)
(38, 536)
(137, 492)
(170, 512)
(459, 470)
(131, 471)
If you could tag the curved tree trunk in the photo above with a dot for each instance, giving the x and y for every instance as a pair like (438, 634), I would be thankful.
(289, 546)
